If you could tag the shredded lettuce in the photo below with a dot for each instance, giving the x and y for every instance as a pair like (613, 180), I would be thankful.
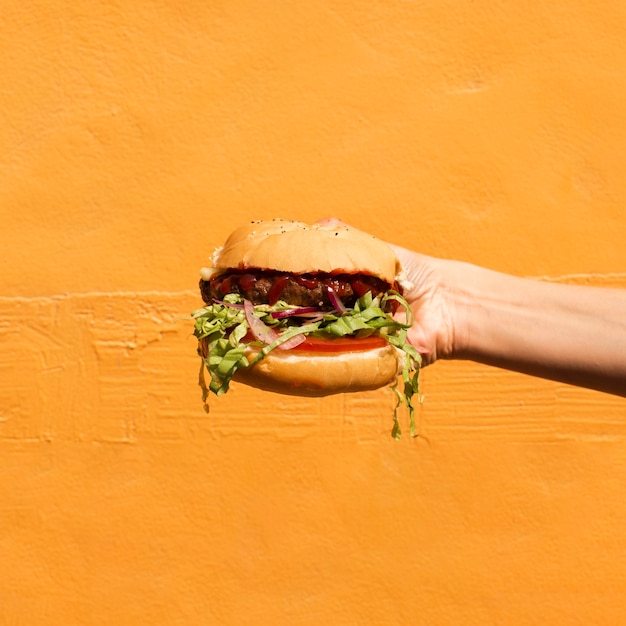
(223, 333)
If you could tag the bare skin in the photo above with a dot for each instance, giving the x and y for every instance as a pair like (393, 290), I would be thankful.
(568, 333)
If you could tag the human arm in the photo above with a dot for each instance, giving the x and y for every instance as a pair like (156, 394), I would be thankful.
(573, 334)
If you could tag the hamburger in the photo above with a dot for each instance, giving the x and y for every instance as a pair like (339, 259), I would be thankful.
(307, 310)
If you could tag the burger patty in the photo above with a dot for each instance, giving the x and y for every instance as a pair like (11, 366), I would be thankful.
(263, 287)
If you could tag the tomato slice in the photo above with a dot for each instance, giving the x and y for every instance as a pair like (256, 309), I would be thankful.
(341, 344)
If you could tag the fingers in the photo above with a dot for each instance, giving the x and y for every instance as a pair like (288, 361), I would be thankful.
(332, 221)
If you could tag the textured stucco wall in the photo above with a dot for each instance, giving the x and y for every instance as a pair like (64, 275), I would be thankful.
(133, 137)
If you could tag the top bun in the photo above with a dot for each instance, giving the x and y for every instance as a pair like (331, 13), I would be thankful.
(289, 246)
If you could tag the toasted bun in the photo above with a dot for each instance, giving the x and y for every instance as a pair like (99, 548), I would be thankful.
(312, 374)
(295, 247)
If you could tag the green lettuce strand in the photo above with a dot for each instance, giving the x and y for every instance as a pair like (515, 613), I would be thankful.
(410, 379)
(239, 332)
(203, 386)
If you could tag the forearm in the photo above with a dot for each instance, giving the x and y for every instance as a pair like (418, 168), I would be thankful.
(568, 333)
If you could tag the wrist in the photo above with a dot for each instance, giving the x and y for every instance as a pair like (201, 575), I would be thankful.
(471, 294)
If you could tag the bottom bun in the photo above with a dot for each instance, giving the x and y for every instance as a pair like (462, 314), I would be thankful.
(312, 374)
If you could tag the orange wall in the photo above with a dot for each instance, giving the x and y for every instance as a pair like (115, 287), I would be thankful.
(134, 136)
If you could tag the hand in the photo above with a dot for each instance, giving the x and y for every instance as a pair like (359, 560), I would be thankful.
(432, 332)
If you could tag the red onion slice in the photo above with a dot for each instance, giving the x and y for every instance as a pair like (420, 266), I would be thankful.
(335, 300)
(264, 333)
(290, 344)
(258, 328)
(232, 305)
